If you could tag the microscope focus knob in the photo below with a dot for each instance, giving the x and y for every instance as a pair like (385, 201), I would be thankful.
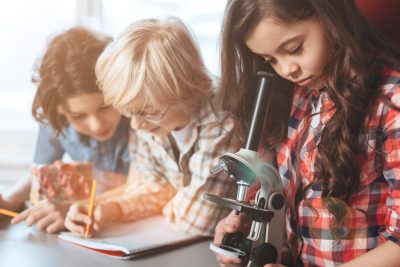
(277, 201)
(265, 253)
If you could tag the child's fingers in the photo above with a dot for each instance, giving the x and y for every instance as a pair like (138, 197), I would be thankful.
(30, 216)
(80, 218)
(75, 228)
(220, 231)
(33, 214)
(98, 213)
(233, 222)
(231, 262)
(20, 217)
(77, 219)
(55, 227)
(99, 216)
(97, 226)
(44, 222)
(229, 224)
(54, 217)
(79, 208)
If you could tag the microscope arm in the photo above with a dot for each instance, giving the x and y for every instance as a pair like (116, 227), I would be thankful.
(264, 242)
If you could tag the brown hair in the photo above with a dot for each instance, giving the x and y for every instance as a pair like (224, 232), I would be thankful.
(66, 69)
(349, 84)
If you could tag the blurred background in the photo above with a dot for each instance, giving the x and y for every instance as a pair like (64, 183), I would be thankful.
(24, 28)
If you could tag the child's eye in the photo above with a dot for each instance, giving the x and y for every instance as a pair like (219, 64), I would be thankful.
(271, 61)
(105, 107)
(295, 50)
(77, 117)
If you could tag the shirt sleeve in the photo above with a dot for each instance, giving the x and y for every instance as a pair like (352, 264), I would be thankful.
(188, 211)
(391, 153)
(147, 192)
(48, 148)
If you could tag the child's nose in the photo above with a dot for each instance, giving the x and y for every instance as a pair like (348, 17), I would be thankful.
(95, 124)
(289, 69)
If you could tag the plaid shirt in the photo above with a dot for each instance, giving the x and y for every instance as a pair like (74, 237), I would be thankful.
(163, 183)
(374, 212)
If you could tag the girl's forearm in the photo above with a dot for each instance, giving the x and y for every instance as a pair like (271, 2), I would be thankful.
(387, 254)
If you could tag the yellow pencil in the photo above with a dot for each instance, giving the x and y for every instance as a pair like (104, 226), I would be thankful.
(91, 207)
(8, 213)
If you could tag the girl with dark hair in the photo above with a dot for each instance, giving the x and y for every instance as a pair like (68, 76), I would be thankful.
(74, 121)
(335, 134)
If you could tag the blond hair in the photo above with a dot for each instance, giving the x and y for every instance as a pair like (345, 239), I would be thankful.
(153, 62)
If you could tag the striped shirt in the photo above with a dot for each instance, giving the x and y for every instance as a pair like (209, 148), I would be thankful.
(110, 158)
(172, 183)
(374, 212)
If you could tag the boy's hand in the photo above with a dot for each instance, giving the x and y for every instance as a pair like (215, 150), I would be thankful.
(77, 216)
(47, 216)
(106, 212)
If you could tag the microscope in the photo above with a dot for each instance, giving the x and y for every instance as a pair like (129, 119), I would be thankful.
(263, 244)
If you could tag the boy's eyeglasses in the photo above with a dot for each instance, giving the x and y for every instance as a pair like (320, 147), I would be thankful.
(148, 117)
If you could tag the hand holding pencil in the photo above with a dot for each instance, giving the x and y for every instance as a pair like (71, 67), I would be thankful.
(4, 211)
(8, 213)
(83, 216)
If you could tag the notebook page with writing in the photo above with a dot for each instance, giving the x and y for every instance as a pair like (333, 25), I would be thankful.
(131, 240)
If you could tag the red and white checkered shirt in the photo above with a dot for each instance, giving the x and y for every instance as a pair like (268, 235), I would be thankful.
(374, 214)
(163, 183)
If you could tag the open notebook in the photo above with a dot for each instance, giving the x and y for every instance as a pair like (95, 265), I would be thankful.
(132, 240)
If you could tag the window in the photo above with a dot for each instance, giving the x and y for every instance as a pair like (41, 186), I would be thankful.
(203, 17)
(24, 27)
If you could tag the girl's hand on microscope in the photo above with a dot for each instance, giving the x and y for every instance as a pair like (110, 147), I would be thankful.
(230, 224)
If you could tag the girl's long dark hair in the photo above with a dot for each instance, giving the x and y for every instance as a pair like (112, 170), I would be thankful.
(356, 47)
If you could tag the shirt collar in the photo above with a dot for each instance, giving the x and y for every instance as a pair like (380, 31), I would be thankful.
(306, 92)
